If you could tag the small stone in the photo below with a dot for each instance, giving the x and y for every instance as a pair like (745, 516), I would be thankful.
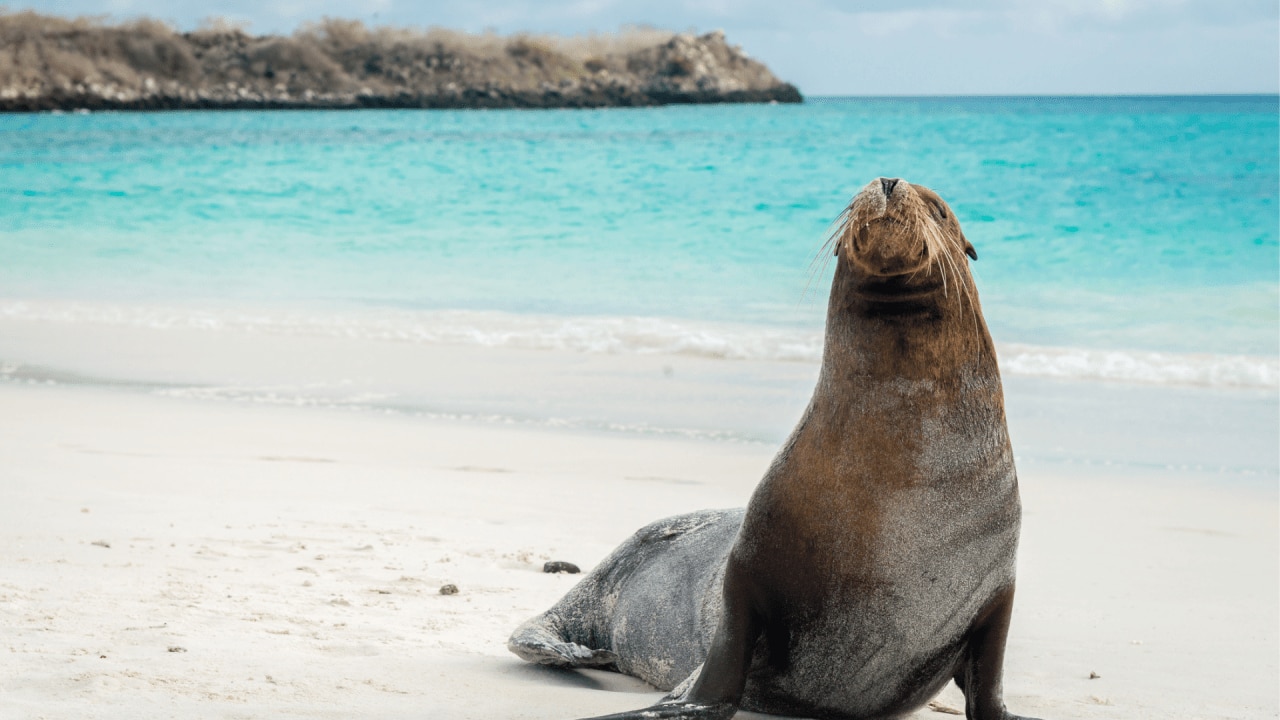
(449, 589)
(1094, 675)
(177, 648)
(560, 566)
(101, 543)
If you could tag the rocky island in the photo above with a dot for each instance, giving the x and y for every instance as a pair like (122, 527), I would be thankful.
(51, 63)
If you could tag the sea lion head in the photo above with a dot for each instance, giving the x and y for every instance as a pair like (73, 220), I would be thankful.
(903, 300)
(893, 229)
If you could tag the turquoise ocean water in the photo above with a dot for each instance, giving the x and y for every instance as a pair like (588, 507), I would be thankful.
(1125, 238)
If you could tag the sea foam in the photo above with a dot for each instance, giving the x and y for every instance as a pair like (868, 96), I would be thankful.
(642, 335)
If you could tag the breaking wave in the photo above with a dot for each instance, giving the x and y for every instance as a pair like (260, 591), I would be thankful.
(646, 335)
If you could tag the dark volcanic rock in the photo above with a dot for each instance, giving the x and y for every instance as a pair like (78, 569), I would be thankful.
(49, 63)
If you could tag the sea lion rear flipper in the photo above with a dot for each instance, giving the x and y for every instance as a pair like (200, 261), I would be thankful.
(539, 641)
(676, 711)
(714, 690)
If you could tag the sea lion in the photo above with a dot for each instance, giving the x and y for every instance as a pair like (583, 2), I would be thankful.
(875, 560)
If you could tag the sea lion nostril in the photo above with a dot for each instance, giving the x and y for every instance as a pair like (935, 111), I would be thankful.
(888, 185)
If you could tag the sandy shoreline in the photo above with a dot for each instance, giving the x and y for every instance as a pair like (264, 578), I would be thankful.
(174, 558)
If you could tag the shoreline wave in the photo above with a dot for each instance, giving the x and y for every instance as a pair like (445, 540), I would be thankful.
(645, 336)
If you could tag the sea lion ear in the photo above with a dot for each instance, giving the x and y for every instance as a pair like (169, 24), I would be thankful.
(968, 250)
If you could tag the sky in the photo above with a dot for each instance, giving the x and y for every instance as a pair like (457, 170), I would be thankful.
(873, 47)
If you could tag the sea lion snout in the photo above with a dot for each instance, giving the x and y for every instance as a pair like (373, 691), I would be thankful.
(884, 228)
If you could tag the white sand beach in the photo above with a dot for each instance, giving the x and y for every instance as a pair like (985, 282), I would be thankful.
(168, 557)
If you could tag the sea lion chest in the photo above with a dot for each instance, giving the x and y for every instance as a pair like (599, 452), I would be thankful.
(881, 530)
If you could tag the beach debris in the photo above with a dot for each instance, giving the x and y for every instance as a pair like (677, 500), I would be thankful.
(84, 510)
(177, 648)
(101, 543)
(560, 566)
(381, 591)
(449, 589)
(945, 709)
(1093, 675)
(1099, 700)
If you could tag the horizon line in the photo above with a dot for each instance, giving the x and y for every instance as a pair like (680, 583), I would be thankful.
(1120, 95)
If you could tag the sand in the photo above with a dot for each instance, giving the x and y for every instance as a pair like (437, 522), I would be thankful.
(178, 558)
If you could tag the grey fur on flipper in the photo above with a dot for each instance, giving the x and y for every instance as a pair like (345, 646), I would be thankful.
(624, 605)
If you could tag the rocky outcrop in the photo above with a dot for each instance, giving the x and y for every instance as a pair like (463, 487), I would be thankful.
(49, 63)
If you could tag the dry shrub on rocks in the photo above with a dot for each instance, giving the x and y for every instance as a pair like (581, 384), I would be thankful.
(48, 62)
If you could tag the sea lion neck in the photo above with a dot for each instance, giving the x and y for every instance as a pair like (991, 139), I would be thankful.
(915, 327)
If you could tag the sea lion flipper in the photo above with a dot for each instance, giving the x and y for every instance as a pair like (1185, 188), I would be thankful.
(722, 677)
(676, 711)
(714, 689)
(981, 671)
(540, 641)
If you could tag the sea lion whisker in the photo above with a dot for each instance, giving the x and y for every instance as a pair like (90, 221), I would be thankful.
(834, 239)
(967, 292)
(966, 295)
(930, 233)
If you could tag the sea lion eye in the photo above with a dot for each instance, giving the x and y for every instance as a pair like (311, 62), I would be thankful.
(941, 210)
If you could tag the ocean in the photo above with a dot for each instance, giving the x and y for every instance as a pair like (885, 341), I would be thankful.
(1125, 240)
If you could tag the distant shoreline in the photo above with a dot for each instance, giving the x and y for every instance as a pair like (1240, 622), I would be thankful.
(49, 63)
(471, 99)
(712, 100)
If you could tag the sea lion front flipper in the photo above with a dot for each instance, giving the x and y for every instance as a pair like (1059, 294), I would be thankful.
(981, 673)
